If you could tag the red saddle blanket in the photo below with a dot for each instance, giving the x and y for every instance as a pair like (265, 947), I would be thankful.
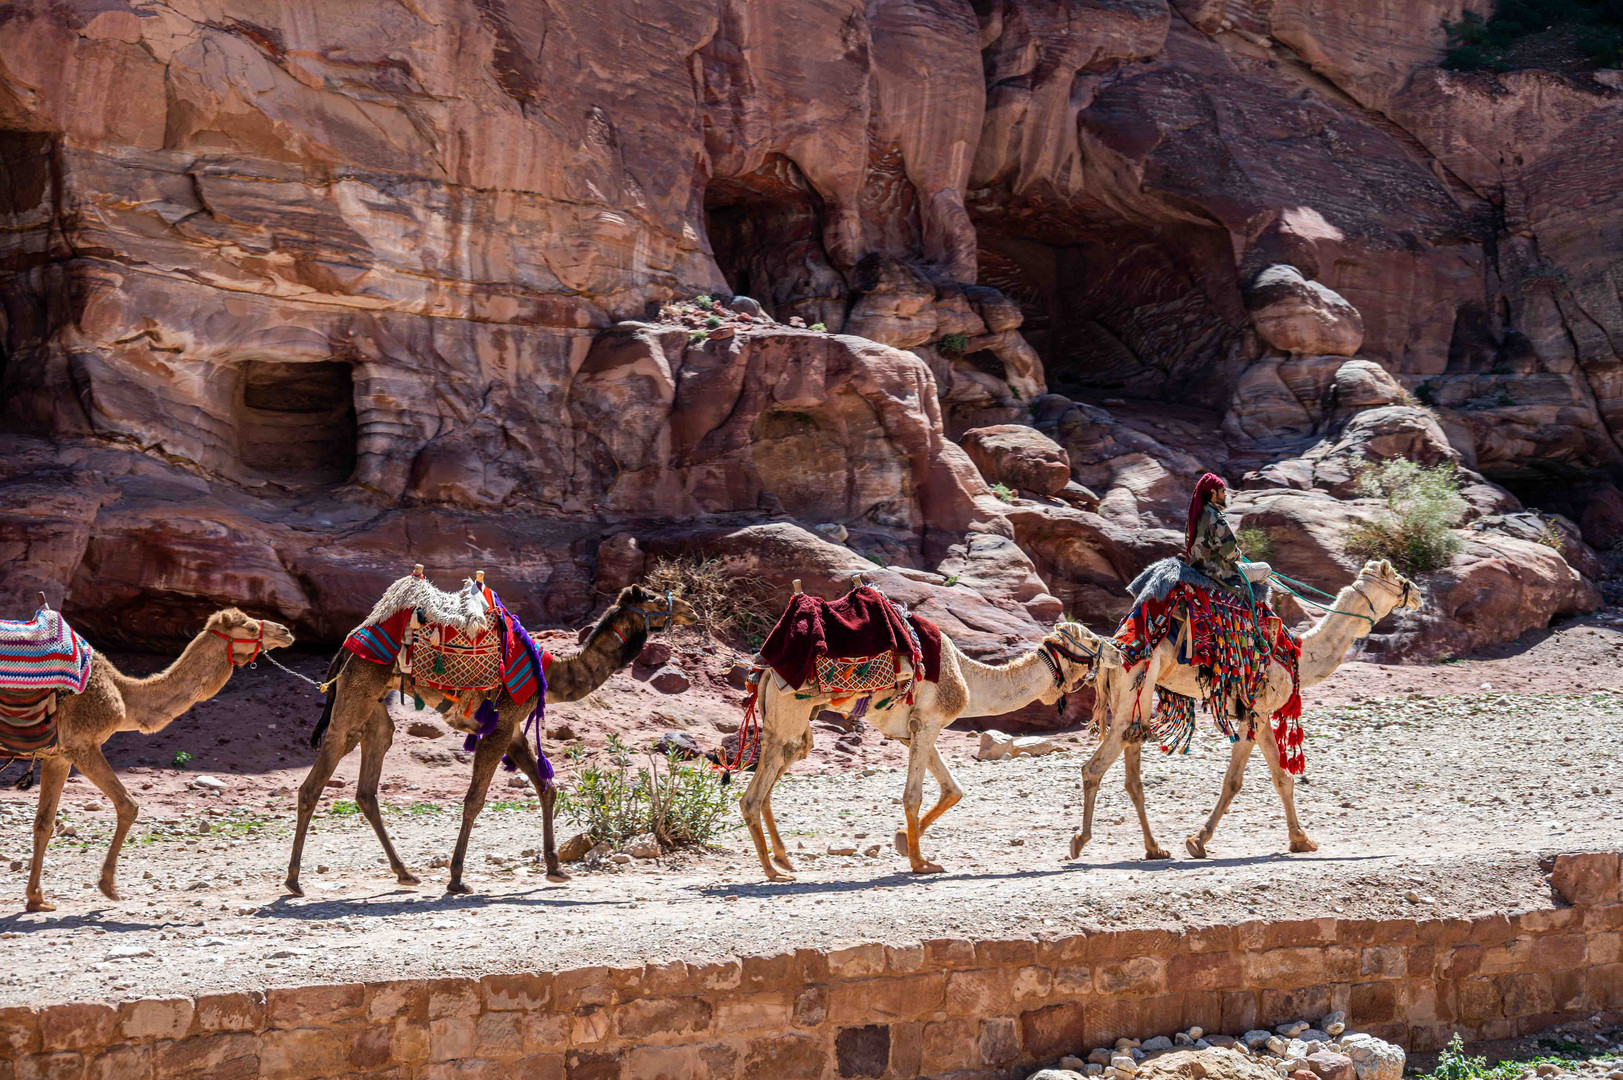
(862, 623)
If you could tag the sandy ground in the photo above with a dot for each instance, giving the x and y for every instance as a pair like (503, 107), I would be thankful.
(1443, 781)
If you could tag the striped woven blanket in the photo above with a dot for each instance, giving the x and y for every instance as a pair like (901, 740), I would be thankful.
(43, 653)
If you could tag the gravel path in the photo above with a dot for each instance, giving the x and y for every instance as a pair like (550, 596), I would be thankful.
(1449, 798)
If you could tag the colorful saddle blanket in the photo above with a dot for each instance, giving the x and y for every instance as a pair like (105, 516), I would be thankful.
(39, 659)
(1231, 641)
(861, 625)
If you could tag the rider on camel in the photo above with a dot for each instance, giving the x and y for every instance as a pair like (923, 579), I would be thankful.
(1209, 543)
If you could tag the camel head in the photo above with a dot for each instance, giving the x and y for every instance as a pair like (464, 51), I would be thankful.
(1379, 578)
(245, 638)
(660, 611)
(1078, 651)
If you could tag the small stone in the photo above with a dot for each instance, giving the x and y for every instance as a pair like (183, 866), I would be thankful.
(600, 852)
(1073, 1063)
(1196, 1032)
(335, 783)
(1124, 1063)
(1117, 1073)
(197, 886)
(1547, 1070)
(1292, 1029)
(738, 677)
(1018, 841)
(841, 850)
(1331, 1066)
(833, 531)
(1126, 1044)
(1055, 1074)
(1159, 1042)
(1313, 1035)
(655, 654)
(670, 680)
(1100, 1056)
(146, 875)
(321, 868)
(1138, 1055)
(1202, 1044)
(872, 851)
(1256, 1039)
(680, 743)
(645, 846)
(1182, 1039)
(621, 859)
(1219, 1040)
(205, 782)
(1094, 1070)
(575, 848)
(1277, 1045)
(422, 729)
(1335, 1023)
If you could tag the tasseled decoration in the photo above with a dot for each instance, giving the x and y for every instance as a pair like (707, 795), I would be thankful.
(485, 717)
(1174, 721)
(519, 638)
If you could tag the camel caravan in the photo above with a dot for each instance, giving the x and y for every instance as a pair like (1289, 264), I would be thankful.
(1201, 629)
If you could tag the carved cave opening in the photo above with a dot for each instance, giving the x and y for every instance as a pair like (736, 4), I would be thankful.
(295, 422)
(29, 243)
(1120, 308)
(766, 232)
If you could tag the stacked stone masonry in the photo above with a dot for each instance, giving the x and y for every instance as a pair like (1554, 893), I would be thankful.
(943, 1008)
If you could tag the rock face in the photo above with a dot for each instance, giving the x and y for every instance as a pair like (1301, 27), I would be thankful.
(296, 296)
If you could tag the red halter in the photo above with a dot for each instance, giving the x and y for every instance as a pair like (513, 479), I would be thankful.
(232, 642)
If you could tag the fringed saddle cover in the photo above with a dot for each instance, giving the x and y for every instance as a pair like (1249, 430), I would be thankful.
(447, 659)
(1223, 644)
(40, 659)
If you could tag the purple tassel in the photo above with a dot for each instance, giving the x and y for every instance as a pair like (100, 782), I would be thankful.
(486, 717)
(537, 717)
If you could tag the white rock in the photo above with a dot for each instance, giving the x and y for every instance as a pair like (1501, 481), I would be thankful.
(1094, 1070)
(1374, 1059)
(1055, 1074)
(645, 846)
(1335, 1023)
(1116, 1073)
(1296, 1048)
(128, 952)
(1196, 1032)
(1292, 1029)
(205, 782)
(1160, 1042)
(1126, 1043)
(1124, 1063)
(1277, 1045)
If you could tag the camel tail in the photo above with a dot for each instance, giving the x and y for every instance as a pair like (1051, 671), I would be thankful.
(333, 669)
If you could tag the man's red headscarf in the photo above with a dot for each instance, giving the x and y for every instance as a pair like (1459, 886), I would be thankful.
(1204, 487)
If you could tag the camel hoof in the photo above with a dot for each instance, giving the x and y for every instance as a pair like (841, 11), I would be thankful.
(292, 886)
(1197, 848)
(406, 877)
(107, 890)
(40, 905)
(927, 867)
(900, 841)
(458, 887)
(1078, 841)
(558, 877)
(783, 861)
(778, 875)
(1304, 844)
(1157, 853)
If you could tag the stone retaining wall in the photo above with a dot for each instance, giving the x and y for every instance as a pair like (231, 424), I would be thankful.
(943, 1008)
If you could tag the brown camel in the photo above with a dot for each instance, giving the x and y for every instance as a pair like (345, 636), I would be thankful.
(358, 718)
(1376, 593)
(113, 701)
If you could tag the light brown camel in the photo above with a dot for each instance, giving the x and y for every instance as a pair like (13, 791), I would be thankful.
(1377, 592)
(355, 716)
(113, 701)
(966, 688)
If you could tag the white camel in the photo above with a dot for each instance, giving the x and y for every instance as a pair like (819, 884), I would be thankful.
(966, 688)
(1375, 593)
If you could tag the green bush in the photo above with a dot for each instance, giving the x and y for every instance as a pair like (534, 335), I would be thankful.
(1255, 544)
(1422, 507)
(1478, 44)
(679, 802)
(819, 327)
(703, 300)
(952, 343)
(180, 759)
(1004, 492)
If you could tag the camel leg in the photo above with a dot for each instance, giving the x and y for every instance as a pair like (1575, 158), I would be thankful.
(912, 799)
(374, 745)
(1285, 784)
(1093, 774)
(774, 756)
(485, 760)
(94, 765)
(951, 793)
(780, 854)
(1135, 791)
(334, 748)
(524, 758)
(1239, 755)
(52, 775)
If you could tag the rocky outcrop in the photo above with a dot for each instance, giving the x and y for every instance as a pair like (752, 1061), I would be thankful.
(1302, 317)
(1020, 457)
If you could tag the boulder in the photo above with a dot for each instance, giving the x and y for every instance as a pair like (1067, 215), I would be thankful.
(670, 679)
(1588, 878)
(1372, 1058)
(996, 745)
(1299, 316)
(643, 846)
(1216, 1063)
(575, 848)
(1020, 457)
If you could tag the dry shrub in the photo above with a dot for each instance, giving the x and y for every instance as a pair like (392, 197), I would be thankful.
(733, 608)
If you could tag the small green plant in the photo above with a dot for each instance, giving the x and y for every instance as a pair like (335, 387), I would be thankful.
(180, 759)
(1454, 1064)
(1551, 536)
(819, 327)
(952, 579)
(697, 335)
(612, 800)
(953, 344)
(1422, 506)
(1256, 544)
(704, 301)
(344, 808)
(1003, 492)
(713, 321)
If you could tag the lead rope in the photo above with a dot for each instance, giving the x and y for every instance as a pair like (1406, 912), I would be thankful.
(321, 687)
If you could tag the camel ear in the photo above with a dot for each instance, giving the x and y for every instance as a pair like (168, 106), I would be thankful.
(232, 617)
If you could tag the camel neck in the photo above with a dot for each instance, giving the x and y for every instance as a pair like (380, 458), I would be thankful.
(614, 642)
(994, 691)
(1325, 644)
(196, 675)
